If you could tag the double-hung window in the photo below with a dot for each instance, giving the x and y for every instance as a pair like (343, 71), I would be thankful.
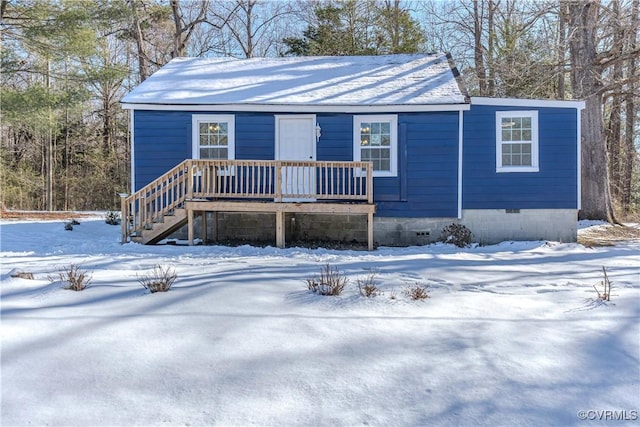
(517, 141)
(375, 139)
(213, 136)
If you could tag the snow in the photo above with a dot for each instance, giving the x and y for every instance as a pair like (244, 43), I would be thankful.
(322, 80)
(513, 334)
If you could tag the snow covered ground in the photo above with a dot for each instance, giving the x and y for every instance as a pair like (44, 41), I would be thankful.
(513, 334)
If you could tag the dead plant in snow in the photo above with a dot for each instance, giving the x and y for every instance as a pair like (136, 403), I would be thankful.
(605, 295)
(329, 282)
(417, 291)
(159, 280)
(367, 286)
(73, 277)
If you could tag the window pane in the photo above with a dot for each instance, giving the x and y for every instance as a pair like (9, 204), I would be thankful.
(385, 140)
(365, 128)
(526, 135)
(203, 128)
(516, 148)
(214, 140)
(223, 140)
(506, 134)
(506, 148)
(385, 128)
(365, 155)
(375, 139)
(526, 122)
(506, 123)
(526, 160)
(385, 153)
(364, 140)
(384, 165)
(204, 140)
(223, 127)
(516, 135)
(375, 128)
(506, 160)
(516, 160)
(526, 148)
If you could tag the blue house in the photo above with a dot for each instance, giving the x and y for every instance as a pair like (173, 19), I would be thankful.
(385, 149)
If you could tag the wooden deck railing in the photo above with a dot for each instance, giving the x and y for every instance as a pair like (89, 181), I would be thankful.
(270, 180)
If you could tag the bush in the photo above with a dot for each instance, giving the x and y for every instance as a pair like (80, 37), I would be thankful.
(112, 218)
(456, 234)
(159, 280)
(417, 291)
(75, 278)
(68, 226)
(367, 286)
(329, 282)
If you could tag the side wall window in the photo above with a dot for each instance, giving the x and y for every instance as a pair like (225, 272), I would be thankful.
(517, 141)
(213, 136)
(375, 139)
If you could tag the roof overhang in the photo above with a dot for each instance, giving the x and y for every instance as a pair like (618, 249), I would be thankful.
(279, 108)
(516, 102)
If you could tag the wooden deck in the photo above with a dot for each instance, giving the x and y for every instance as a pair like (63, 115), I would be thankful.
(195, 187)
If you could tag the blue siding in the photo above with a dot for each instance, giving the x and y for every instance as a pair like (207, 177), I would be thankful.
(554, 186)
(428, 154)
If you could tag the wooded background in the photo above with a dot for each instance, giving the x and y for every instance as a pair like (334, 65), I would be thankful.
(66, 64)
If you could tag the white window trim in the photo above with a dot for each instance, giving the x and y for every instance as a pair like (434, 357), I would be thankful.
(196, 119)
(393, 119)
(534, 141)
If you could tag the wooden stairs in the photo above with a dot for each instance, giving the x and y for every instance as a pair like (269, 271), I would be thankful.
(167, 224)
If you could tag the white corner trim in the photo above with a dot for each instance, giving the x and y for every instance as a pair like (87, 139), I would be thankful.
(515, 102)
(278, 108)
(579, 165)
(460, 140)
(132, 151)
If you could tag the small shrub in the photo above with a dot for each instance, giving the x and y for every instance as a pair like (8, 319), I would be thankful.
(68, 226)
(74, 277)
(329, 282)
(605, 295)
(367, 286)
(112, 218)
(393, 294)
(417, 291)
(456, 234)
(159, 280)
(74, 222)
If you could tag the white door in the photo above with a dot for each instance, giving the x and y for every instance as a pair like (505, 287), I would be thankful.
(296, 140)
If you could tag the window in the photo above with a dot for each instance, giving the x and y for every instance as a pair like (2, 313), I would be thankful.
(517, 141)
(213, 137)
(376, 140)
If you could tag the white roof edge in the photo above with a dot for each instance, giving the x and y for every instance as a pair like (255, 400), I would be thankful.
(298, 108)
(517, 102)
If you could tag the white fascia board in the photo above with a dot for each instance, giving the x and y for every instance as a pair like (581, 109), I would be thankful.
(299, 108)
(515, 102)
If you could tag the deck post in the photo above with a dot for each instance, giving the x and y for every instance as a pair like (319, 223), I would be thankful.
(190, 226)
(124, 217)
(278, 182)
(280, 229)
(370, 231)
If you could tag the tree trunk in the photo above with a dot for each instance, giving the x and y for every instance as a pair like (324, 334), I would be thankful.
(143, 66)
(586, 81)
(630, 113)
(478, 54)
